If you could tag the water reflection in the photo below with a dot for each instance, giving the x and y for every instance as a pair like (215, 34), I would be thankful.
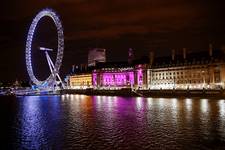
(174, 102)
(32, 126)
(204, 105)
(188, 111)
(188, 104)
(139, 103)
(204, 117)
(34, 122)
(175, 108)
(111, 102)
(161, 102)
(110, 122)
(150, 103)
(221, 104)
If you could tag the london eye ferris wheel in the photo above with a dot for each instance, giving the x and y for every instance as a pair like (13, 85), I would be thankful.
(54, 67)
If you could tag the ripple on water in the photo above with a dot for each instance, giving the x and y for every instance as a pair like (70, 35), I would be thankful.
(101, 122)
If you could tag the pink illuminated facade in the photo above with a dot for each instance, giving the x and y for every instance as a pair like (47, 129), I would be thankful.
(113, 78)
(139, 77)
(118, 77)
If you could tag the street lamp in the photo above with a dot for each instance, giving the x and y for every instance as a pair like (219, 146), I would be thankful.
(203, 72)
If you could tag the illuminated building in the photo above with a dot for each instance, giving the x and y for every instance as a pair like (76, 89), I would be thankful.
(80, 81)
(117, 76)
(113, 77)
(186, 71)
(193, 71)
(96, 55)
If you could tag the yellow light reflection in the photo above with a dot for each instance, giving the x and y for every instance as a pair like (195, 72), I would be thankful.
(204, 105)
(188, 104)
(99, 101)
(161, 103)
(221, 105)
(174, 103)
(149, 102)
(139, 103)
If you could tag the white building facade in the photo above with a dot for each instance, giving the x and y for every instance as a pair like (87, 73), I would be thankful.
(199, 73)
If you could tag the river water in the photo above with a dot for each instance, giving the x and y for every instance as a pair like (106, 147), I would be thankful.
(106, 122)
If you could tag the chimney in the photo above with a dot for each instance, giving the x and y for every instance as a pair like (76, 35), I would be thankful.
(173, 54)
(130, 55)
(151, 57)
(80, 68)
(184, 53)
(85, 67)
(210, 50)
(73, 68)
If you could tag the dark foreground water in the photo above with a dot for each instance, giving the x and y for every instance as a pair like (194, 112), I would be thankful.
(104, 122)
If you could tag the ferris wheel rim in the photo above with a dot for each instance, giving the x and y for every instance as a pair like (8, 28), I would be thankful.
(53, 15)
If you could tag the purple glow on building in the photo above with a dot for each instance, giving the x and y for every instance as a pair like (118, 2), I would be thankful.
(115, 78)
(94, 79)
(140, 77)
(131, 78)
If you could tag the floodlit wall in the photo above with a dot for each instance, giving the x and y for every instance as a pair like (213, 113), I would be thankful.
(80, 81)
(117, 78)
(187, 77)
(114, 79)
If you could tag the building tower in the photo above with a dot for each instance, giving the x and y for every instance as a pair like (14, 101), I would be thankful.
(184, 53)
(96, 55)
(151, 57)
(173, 54)
(210, 50)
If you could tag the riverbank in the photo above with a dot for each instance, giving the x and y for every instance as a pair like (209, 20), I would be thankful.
(126, 92)
(149, 93)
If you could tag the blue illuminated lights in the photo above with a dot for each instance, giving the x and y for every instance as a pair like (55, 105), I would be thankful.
(52, 14)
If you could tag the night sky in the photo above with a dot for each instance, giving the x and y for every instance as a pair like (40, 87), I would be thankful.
(151, 25)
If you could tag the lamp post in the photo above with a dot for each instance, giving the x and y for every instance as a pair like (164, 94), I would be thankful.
(174, 84)
(203, 76)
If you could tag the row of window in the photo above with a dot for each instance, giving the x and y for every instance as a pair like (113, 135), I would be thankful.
(190, 67)
(179, 77)
(179, 82)
(80, 83)
(178, 73)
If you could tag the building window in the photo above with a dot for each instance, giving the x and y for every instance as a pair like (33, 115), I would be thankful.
(217, 76)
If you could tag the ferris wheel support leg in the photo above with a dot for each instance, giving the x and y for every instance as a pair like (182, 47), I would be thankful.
(51, 65)
(52, 68)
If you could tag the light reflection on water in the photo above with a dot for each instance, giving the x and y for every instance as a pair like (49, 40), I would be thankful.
(150, 102)
(139, 103)
(31, 125)
(204, 105)
(221, 104)
(33, 121)
(110, 122)
(188, 104)
(205, 116)
(188, 109)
